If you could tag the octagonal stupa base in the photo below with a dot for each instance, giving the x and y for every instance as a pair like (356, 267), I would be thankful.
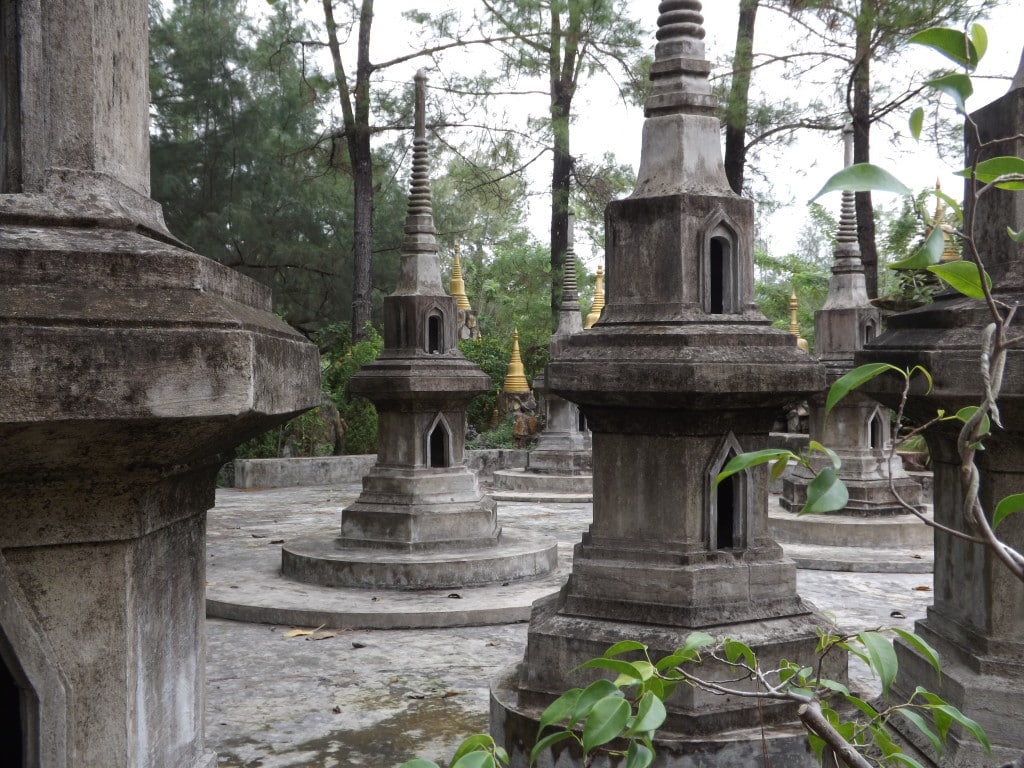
(515, 556)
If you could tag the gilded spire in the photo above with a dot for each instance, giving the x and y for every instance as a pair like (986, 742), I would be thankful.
(595, 309)
(458, 285)
(794, 326)
(420, 271)
(515, 378)
(949, 251)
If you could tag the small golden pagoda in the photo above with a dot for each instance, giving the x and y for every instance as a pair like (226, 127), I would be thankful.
(457, 287)
(794, 326)
(949, 249)
(595, 309)
(515, 378)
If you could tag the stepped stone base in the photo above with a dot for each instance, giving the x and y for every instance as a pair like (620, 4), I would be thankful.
(524, 481)
(515, 556)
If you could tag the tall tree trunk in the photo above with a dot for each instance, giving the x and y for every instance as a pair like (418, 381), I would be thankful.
(736, 109)
(355, 109)
(561, 181)
(861, 112)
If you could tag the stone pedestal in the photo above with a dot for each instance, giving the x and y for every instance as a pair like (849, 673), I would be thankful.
(129, 369)
(977, 621)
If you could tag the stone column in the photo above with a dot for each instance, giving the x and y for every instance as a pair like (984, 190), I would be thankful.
(977, 621)
(129, 369)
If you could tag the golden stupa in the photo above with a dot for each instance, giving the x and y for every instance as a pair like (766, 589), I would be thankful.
(794, 326)
(457, 287)
(595, 309)
(515, 378)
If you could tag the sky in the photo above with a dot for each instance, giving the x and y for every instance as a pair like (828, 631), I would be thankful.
(605, 123)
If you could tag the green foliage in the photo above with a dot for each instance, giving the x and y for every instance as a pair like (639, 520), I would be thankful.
(340, 359)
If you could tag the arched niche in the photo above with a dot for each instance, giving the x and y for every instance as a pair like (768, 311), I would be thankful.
(32, 685)
(868, 332)
(438, 443)
(878, 429)
(729, 504)
(435, 331)
(720, 272)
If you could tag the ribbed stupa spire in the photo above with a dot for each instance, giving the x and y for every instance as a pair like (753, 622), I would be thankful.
(420, 268)
(457, 287)
(569, 320)
(847, 288)
(681, 150)
(1018, 79)
(515, 377)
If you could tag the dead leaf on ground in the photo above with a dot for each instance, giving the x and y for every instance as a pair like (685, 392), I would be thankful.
(302, 632)
(449, 694)
(922, 588)
(322, 635)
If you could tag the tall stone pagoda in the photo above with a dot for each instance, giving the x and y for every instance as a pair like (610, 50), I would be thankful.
(858, 428)
(681, 373)
(421, 520)
(130, 368)
(977, 620)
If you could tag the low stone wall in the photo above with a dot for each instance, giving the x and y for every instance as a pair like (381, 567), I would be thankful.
(339, 470)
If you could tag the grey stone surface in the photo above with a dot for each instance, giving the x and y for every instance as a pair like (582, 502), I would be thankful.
(129, 368)
(977, 620)
(381, 697)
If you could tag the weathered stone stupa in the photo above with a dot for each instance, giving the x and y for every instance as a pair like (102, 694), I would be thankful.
(560, 463)
(977, 620)
(130, 367)
(858, 428)
(681, 373)
(421, 520)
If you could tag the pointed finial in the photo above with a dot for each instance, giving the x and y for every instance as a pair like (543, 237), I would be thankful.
(679, 74)
(846, 287)
(595, 309)
(458, 285)
(570, 292)
(420, 270)
(1018, 79)
(515, 377)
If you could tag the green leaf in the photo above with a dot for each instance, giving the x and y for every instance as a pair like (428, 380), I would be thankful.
(625, 646)
(638, 756)
(951, 43)
(883, 658)
(560, 708)
(623, 668)
(905, 759)
(870, 712)
(980, 39)
(988, 171)
(605, 722)
(832, 455)
(696, 640)
(863, 177)
(967, 723)
(650, 714)
(928, 254)
(825, 493)
(922, 726)
(472, 744)
(476, 760)
(957, 86)
(593, 693)
(752, 459)
(968, 411)
(916, 122)
(855, 378)
(1007, 506)
(881, 737)
(922, 648)
(834, 685)
(1017, 237)
(550, 740)
(734, 649)
(501, 754)
(963, 276)
(778, 468)
(419, 762)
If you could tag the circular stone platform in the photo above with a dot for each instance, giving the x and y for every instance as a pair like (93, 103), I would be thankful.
(838, 542)
(521, 485)
(517, 555)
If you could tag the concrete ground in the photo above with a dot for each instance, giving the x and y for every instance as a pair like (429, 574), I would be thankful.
(359, 697)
